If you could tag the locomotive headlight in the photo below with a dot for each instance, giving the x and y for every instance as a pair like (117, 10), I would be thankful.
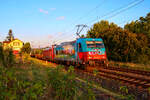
(89, 53)
(89, 57)
(103, 57)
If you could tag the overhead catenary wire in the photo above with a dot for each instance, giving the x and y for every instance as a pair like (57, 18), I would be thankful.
(119, 10)
(114, 12)
(85, 15)
(63, 34)
(131, 6)
(137, 18)
(89, 12)
(123, 22)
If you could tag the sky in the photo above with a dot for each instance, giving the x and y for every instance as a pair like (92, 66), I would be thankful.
(45, 22)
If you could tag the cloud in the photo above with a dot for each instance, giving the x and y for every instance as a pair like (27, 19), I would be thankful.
(50, 36)
(60, 18)
(43, 11)
(60, 33)
(52, 9)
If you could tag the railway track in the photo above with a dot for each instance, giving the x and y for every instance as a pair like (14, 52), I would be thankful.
(134, 78)
(141, 72)
(137, 78)
(112, 78)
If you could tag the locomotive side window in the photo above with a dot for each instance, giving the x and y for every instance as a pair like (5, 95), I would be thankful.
(93, 44)
(79, 45)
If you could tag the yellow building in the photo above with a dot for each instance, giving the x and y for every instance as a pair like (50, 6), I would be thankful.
(15, 44)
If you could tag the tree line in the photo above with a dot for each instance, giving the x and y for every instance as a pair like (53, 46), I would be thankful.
(7, 57)
(128, 44)
(26, 47)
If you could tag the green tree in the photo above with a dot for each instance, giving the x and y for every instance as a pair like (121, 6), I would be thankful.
(26, 48)
(10, 36)
(140, 26)
(82, 36)
(121, 45)
(99, 28)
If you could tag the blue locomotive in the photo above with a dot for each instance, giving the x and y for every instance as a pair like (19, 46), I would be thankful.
(85, 51)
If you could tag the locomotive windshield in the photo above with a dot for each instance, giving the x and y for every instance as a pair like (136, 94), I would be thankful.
(93, 44)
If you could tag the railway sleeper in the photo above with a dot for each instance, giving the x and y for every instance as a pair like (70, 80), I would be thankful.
(126, 80)
(146, 73)
(127, 75)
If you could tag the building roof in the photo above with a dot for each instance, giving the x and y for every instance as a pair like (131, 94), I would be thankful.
(11, 41)
(6, 41)
(17, 39)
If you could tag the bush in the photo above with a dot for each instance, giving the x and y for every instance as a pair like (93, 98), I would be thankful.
(26, 48)
(65, 86)
(143, 59)
(1, 55)
(124, 90)
(12, 88)
(8, 58)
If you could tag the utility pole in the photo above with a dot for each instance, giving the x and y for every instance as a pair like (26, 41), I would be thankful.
(80, 28)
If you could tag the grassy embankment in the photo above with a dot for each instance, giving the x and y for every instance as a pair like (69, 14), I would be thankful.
(34, 79)
(24, 81)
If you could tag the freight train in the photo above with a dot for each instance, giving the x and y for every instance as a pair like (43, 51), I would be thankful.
(83, 51)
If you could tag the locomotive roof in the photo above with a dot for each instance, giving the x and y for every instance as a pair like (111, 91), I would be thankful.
(90, 39)
(80, 39)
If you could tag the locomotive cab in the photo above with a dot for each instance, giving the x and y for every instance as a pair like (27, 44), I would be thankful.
(89, 50)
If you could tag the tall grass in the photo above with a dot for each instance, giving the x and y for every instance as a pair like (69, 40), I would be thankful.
(1, 55)
(7, 59)
(12, 88)
(66, 87)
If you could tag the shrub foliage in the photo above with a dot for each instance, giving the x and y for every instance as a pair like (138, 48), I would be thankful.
(26, 48)
(12, 88)
(8, 58)
(66, 87)
(121, 44)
